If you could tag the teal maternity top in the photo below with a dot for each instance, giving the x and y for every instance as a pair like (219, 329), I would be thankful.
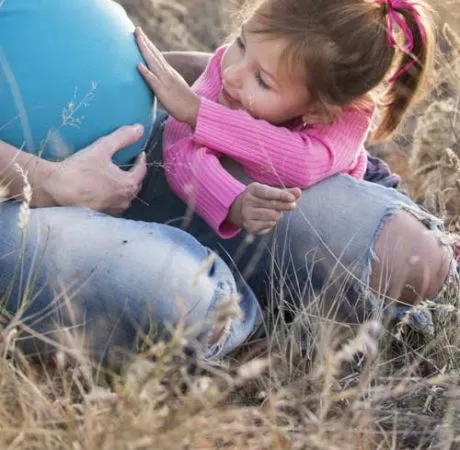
(68, 76)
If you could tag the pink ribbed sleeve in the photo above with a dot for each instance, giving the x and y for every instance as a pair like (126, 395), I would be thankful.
(282, 156)
(202, 182)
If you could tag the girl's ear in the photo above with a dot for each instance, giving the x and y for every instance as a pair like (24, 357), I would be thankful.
(319, 113)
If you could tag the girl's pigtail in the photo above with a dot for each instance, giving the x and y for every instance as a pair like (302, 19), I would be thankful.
(415, 61)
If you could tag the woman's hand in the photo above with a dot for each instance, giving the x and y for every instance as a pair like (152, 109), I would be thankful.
(168, 85)
(90, 178)
(260, 207)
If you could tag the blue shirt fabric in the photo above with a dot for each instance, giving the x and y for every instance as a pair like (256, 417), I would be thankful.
(68, 76)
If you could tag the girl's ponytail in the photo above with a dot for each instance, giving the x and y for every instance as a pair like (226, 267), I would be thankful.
(415, 60)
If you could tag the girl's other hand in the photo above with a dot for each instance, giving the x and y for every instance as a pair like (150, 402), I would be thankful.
(170, 88)
(260, 207)
(90, 178)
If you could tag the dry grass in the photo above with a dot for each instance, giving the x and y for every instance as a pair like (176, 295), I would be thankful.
(353, 389)
(312, 385)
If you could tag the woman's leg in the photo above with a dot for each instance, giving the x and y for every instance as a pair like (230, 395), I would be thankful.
(106, 281)
(362, 245)
(353, 241)
(405, 247)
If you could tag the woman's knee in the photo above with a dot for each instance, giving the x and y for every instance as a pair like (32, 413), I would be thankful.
(412, 263)
(124, 274)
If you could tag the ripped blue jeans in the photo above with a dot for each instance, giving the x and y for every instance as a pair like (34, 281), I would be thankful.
(95, 285)
(325, 247)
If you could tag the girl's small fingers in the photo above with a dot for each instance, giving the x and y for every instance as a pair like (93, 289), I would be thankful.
(265, 231)
(264, 215)
(271, 193)
(151, 54)
(274, 204)
(142, 43)
(147, 41)
(148, 75)
(149, 45)
(256, 227)
(296, 192)
(146, 53)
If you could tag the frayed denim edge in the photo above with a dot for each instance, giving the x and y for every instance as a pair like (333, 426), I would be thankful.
(428, 220)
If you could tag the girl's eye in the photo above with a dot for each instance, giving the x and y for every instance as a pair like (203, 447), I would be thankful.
(240, 43)
(261, 82)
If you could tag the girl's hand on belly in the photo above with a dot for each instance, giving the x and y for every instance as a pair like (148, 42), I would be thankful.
(171, 89)
(90, 178)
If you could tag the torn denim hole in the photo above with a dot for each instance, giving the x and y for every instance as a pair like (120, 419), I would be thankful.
(430, 222)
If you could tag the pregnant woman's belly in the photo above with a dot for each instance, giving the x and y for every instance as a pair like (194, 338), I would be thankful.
(68, 76)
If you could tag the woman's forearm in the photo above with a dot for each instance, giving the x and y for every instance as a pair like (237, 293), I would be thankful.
(189, 64)
(37, 169)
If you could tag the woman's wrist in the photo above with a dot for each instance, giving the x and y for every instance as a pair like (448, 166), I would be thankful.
(35, 170)
(43, 184)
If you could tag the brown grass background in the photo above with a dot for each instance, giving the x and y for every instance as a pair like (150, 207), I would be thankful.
(347, 389)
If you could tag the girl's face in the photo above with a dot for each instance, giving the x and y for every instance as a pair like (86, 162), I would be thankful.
(253, 79)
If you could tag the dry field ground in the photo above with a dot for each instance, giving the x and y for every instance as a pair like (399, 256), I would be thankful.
(312, 385)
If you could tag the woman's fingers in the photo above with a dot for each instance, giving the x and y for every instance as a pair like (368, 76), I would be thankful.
(120, 138)
(139, 170)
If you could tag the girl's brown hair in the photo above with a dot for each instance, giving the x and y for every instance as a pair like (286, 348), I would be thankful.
(345, 49)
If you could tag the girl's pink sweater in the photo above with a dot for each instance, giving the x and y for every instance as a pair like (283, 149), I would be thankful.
(291, 155)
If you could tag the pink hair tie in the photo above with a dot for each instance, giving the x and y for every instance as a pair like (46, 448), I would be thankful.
(395, 19)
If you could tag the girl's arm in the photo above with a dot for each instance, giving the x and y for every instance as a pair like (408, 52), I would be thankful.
(189, 64)
(280, 155)
(198, 178)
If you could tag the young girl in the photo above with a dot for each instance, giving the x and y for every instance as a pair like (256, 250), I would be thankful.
(290, 99)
